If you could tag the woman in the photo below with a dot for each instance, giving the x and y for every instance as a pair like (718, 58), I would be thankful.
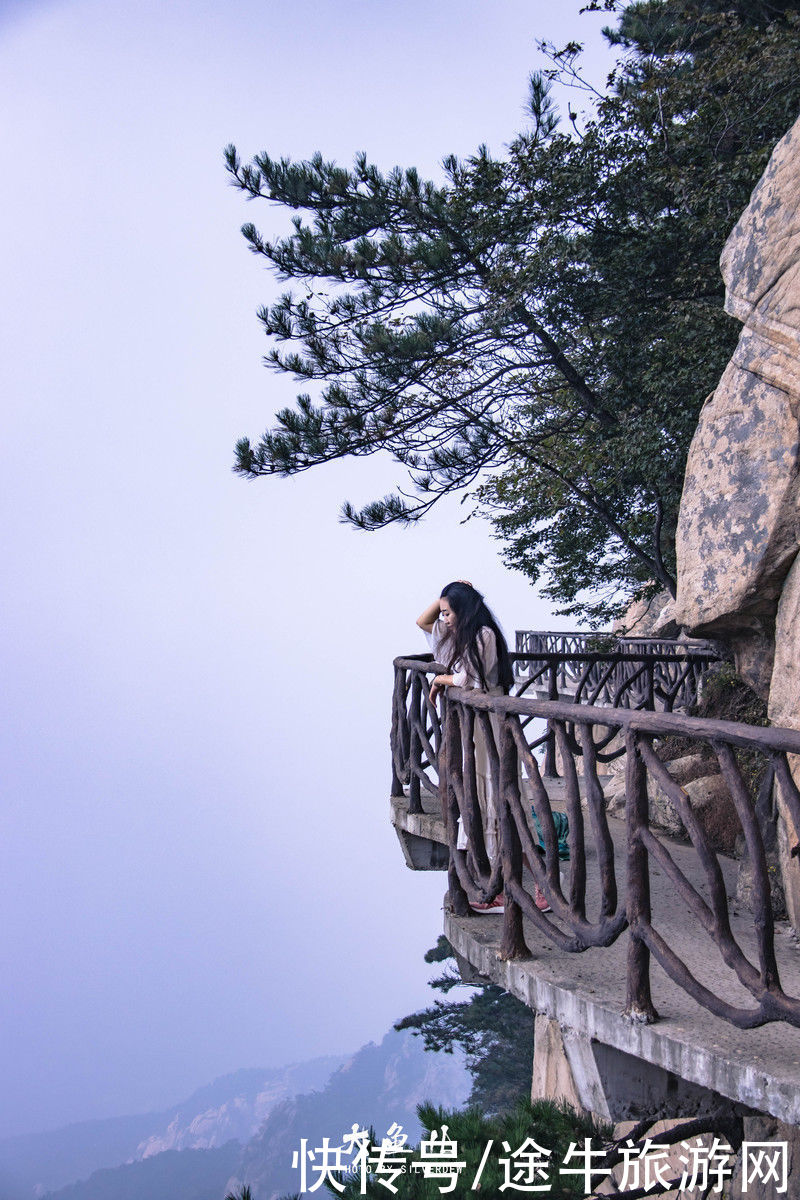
(466, 638)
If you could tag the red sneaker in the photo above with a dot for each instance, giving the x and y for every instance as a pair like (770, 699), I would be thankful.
(540, 900)
(497, 905)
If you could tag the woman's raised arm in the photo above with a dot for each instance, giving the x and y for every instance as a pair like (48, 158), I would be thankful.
(427, 619)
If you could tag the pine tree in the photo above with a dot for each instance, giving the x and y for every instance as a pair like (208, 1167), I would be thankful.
(539, 330)
(492, 1028)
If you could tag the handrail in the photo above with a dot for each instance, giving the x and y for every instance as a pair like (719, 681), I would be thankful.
(625, 676)
(532, 641)
(619, 678)
(605, 669)
(439, 752)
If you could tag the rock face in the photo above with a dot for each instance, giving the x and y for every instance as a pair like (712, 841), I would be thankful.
(739, 526)
(643, 617)
(379, 1085)
(235, 1106)
(784, 709)
(192, 1134)
(762, 1130)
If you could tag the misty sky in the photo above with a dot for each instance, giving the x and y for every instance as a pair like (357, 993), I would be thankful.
(197, 872)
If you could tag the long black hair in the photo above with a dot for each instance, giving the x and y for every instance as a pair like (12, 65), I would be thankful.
(462, 645)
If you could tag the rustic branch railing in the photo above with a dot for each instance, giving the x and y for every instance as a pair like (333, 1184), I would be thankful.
(416, 736)
(602, 669)
(441, 758)
(533, 641)
(624, 674)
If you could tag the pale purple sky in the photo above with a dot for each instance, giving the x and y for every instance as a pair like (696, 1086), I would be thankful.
(197, 870)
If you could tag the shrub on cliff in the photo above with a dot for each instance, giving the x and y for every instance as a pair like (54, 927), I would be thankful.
(493, 1028)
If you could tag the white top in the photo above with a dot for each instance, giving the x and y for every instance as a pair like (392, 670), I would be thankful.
(464, 674)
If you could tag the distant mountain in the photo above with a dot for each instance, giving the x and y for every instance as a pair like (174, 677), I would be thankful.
(232, 1107)
(33, 1163)
(240, 1129)
(173, 1175)
(235, 1106)
(378, 1086)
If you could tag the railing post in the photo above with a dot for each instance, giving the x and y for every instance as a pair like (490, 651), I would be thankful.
(513, 943)
(639, 1006)
(451, 767)
(396, 738)
(415, 745)
(550, 767)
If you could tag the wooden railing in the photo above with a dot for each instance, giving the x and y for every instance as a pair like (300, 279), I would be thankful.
(534, 641)
(667, 678)
(599, 669)
(434, 752)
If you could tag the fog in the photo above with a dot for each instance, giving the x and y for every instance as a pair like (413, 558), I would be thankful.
(198, 873)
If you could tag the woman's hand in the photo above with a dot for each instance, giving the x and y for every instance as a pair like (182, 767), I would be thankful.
(439, 683)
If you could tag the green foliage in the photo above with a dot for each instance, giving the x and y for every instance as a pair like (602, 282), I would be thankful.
(493, 1028)
(551, 1126)
(726, 697)
(652, 26)
(669, 164)
(544, 327)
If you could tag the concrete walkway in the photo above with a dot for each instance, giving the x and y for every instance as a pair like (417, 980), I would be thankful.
(585, 992)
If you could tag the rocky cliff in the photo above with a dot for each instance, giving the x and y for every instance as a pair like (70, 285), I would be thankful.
(191, 1151)
(232, 1107)
(378, 1086)
(212, 1117)
(739, 524)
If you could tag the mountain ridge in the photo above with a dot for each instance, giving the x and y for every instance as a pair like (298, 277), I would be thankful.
(187, 1153)
(380, 1085)
(32, 1165)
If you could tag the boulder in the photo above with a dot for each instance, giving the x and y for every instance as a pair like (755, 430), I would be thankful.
(784, 698)
(707, 793)
(690, 767)
(784, 709)
(614, 793)
(714, 809)
(753, 649)
(762, 1131)
(643, 617)
(739, 524)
